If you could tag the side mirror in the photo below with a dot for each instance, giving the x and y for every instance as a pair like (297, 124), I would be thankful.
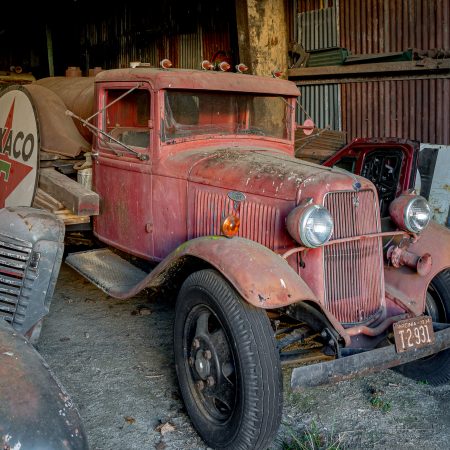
(307, 127)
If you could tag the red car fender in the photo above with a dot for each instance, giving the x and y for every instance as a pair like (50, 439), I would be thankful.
(406, 284)
(262, 278)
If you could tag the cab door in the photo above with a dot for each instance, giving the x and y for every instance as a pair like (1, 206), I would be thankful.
(123, 168)
(391, 165)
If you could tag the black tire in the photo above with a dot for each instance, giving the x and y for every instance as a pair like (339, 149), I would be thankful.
(434, 369)
(240, 406)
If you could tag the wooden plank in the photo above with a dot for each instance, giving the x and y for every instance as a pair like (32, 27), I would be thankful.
(48, 198)
(80, 200)
(440, 65)
(40, 203)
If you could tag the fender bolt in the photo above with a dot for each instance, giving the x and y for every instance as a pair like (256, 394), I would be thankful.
(196, 343)
(207, 354)
(200, 385)
(191, 361)
(210, 381)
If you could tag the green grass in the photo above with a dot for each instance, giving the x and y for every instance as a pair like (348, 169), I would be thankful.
(312, 438)
(378, 402)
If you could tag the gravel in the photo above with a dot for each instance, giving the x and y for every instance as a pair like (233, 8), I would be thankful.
(115, 359)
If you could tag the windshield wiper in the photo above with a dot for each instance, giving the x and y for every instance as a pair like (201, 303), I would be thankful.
(93, 129)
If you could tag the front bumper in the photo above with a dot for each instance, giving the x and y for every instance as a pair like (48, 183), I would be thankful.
(363, 363)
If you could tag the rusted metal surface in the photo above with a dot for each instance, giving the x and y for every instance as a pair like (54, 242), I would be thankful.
(195, 79)
(397, 109)
(35, 409)
(280, 285)
(406, 284)
(311, 5)
(378, 26)
(400, 257)
(390, 99)
(363, 363)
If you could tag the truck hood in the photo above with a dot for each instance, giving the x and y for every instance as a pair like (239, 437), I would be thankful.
(262, 172)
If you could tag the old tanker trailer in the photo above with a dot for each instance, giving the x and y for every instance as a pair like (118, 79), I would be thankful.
(274, 260)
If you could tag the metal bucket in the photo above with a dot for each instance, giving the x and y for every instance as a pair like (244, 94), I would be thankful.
(84, 177)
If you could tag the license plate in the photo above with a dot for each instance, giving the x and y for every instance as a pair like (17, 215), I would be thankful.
(413, 333)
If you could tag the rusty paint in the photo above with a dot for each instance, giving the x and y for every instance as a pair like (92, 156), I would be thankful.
(405, 24)
(405, 284)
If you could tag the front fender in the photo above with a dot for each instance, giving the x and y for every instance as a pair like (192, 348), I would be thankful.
(405, 283)
(261, 277)
(35, 410)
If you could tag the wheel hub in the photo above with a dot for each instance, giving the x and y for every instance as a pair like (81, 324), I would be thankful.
(202, 365)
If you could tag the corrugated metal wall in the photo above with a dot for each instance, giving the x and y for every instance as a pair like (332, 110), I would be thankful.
(318, 29)
(377, 26)
(322, 103)
(414, 109)
(184, 34)
(410, 108)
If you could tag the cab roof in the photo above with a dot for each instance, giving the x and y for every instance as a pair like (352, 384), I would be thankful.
(202, 80)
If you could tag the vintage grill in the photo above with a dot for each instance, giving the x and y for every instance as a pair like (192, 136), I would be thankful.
(258, 221)
(15, 283)
(353, 271)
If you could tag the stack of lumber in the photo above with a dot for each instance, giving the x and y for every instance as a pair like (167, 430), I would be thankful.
(320, 145)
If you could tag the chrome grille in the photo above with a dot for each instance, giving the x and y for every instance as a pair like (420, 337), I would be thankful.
(257, 220)
(14, 257)
(354, 283)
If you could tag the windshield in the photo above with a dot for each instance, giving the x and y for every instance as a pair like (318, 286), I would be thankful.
(189, 114)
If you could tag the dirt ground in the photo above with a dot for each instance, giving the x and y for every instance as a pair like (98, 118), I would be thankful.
(115, 359)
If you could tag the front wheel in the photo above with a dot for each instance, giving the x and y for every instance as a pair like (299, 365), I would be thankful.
(434, 369)
(227, 364)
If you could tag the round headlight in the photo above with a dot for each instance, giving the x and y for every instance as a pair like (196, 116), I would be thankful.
(311, 225)
(417, 214)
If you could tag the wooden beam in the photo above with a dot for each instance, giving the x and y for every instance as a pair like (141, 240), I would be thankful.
(263, 35)
(80, 200)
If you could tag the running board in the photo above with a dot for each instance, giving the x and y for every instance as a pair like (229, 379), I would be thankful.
(108, 271)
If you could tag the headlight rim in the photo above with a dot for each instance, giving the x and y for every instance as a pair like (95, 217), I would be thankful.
(406, 216)
(308, 210)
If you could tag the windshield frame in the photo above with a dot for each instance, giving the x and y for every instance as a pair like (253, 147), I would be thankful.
(289, 120)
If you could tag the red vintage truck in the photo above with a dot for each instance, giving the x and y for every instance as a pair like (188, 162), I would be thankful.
(275, 261)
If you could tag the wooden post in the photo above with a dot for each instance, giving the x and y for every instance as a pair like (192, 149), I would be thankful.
(263, 35)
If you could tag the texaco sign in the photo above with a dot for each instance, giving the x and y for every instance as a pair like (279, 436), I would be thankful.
(19, 148)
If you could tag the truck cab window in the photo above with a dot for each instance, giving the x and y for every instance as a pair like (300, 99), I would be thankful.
(127, 118)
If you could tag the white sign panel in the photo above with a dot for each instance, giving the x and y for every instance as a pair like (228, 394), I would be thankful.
(19, 148)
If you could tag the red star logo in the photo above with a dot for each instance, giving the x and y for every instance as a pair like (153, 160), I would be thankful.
(12, 172)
